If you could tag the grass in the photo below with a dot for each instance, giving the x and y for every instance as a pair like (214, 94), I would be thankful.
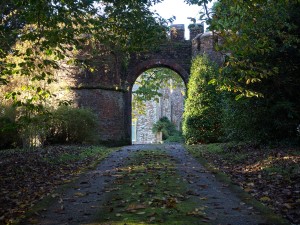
(148, 191)
(88, 156)
(282, 170)
(217, 149)
(80, 153)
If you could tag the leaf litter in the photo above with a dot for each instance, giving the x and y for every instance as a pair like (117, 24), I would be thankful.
(27, 176)
(271, 175)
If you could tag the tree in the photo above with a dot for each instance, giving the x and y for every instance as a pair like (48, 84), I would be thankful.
(257, 36)
(260, 43)
(149, 85)
(202, 115)
(36, 35)
(205, 13)
(256, 44)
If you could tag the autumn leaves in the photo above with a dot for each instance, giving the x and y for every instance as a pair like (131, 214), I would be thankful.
(149, 190)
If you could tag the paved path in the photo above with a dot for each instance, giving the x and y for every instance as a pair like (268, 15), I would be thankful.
(79, 204)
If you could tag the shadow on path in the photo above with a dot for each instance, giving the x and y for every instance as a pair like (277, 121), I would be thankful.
(85, 200)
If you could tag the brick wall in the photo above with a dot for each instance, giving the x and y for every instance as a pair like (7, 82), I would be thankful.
(204, 44)
(106, 88)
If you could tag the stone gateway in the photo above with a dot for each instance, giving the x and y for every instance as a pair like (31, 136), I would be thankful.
(107, 90)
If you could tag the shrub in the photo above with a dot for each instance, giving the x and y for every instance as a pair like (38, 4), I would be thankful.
(243, 120)
(33, 129)
(8, 133)
(72, 125)
(165, 126)
(9, 137)
(176, 137)
(202, 115)
(60, 126)
(257, 120)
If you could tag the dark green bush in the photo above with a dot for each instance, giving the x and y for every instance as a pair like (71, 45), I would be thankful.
(257, 120)
(8, 133)
(176, 137)
(165, 126)
(244, 120)
(202, 115)
(9, 137)
(72, 125)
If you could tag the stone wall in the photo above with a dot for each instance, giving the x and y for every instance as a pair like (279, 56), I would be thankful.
(195, 29)
(204, 43)
(109, 107)
(171, 105)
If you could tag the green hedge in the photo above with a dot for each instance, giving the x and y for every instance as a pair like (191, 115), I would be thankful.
(65, 125)
(72, 125)
(168, 129)
(202, 115)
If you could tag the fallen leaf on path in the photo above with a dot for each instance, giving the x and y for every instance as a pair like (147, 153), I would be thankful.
(237, 208)
(135, 207)
(171, 202)
(265, 199)
(203, 186)
(80, 194)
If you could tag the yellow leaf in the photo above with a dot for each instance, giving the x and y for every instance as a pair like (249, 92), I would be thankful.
(247, 189)
(33, 221)
(287, 205)
(135, 207)
(79, 194)
(265, 199)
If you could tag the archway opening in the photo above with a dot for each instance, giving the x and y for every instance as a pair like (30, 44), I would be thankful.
(157, 106)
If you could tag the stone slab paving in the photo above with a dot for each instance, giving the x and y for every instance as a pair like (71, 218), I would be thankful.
(80, 203)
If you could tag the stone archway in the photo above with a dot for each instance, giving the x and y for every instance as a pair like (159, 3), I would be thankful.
(107, 90)
(170, 104)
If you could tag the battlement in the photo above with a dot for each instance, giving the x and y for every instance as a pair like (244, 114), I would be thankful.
(107, 89)
(177, 31)
(195, 29)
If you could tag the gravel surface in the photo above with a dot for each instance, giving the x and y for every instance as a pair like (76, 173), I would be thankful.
(80, 203)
